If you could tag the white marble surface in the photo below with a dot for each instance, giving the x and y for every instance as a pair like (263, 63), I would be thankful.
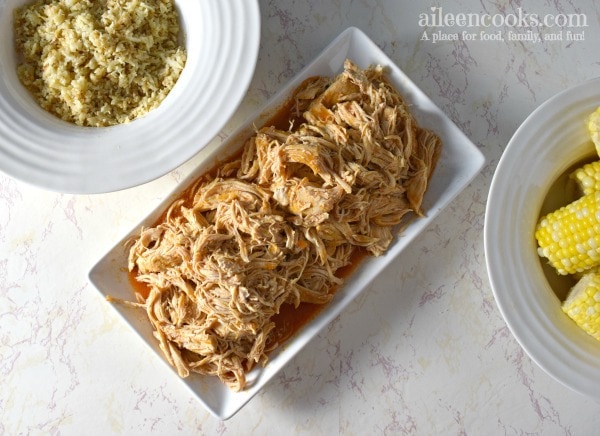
(423, 351)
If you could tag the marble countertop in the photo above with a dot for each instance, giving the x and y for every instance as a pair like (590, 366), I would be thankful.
(423, 351)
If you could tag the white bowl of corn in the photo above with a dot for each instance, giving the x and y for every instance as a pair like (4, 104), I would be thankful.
(542, 237)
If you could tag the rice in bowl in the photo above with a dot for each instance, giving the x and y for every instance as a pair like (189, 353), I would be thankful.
(99, 62)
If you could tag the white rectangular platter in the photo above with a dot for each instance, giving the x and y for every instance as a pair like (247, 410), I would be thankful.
(459, 163)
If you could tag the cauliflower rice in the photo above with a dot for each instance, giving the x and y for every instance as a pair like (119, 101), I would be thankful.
(99, 62)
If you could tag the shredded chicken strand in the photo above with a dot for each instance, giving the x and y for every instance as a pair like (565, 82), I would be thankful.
(274, 226)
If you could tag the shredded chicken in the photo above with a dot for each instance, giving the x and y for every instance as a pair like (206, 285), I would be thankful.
(274, 226)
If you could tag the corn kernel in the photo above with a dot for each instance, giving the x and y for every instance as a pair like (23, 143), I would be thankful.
(587, 177)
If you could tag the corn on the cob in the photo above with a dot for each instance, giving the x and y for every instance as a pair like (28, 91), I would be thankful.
(587, 177)
(593, 126)
(570, 237)
(583, 304)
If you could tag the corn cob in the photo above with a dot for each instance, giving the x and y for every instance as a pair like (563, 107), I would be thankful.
(570, 236)
(582, 304)
(593, 126)
(587, 177)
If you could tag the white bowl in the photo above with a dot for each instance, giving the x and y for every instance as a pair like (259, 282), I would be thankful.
(550, 141)
(222, 39)
(459, 162)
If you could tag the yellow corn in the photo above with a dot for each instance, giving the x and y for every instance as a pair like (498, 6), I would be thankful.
(587, 177)
(570, 236)
(593, 126)
(583, 304)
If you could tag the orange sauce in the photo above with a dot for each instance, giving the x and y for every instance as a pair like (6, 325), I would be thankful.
(140, 288)
(291, 319)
